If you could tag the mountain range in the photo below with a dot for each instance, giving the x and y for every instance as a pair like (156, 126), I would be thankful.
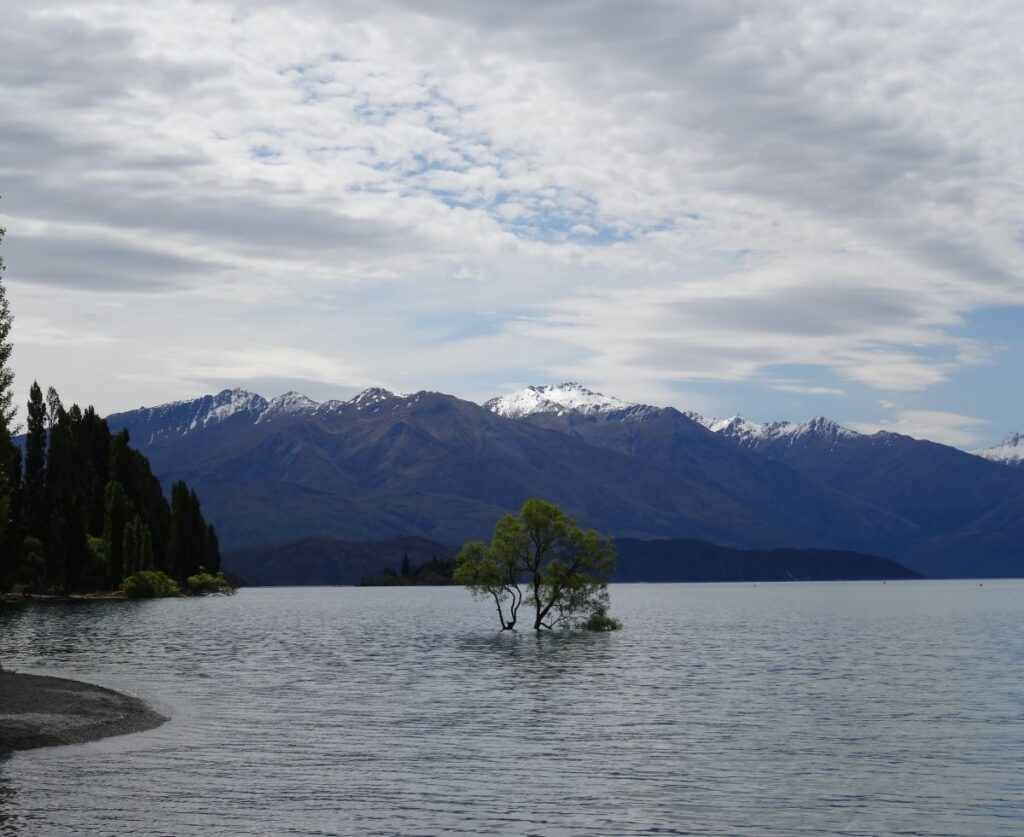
(383, 465)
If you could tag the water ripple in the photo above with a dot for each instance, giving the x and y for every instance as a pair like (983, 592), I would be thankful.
(852, 709)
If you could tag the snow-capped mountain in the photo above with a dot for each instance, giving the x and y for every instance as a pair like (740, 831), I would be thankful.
(383, 464)
(285, 405)
(179, 419)
(1010, 451)
(555, 398)
(751, 435)
(567, 399)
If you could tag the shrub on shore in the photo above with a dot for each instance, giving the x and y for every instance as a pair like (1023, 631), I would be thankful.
(150, 584)
(204, 583)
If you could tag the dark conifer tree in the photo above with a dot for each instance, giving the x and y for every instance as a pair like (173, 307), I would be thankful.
(133, 546)
(178, 546)
(61, 529)
(115, 520)
(34, 501)
(7, 408)
(212, 559)
(9, 456)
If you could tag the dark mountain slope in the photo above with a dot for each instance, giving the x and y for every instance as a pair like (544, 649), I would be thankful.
(991, 546)
(312, 561)
(687, 560)
(436, 466)
(670, 441)
(326, 561)
(937, 487)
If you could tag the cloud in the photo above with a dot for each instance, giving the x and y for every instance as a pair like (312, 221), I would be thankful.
(947, 428)
(805, 389)
(85, 263)
(644, 196)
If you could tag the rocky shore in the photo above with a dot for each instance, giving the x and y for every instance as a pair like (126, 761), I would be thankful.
(43, 711)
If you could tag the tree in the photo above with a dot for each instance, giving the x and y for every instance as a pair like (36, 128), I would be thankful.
(138, 547)
(9, 467)
(541, 556)
(7, 408)
(115, 522)
(35, 464)
(193, 543)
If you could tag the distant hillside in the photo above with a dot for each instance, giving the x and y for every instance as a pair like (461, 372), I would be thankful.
(326, 561)
(383, 465)
(321, 561)
(685, 560)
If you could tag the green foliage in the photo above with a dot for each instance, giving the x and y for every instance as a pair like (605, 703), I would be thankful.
(204, 583)
(435, 572)
(138, 547)
(115, 519)
(563, 568)
(150, 584)
(31, 574)
(193, 543)
(491, 572)
(82, 484)
(96, 573)
(600, 621)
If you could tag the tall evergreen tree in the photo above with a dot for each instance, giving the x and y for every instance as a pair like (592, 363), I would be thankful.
(138, 547)
(7, 408)
(35, 465)
(115, 520)
(9, 457)
(193, 543)
(178, 547)
(53, 405)
(212, 557)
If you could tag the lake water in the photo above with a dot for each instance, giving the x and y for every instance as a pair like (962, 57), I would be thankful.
(838, 708)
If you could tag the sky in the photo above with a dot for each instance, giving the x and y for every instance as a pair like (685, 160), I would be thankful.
(779, 209)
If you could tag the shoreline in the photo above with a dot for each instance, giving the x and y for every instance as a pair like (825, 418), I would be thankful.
(19, 598)
(38, 711)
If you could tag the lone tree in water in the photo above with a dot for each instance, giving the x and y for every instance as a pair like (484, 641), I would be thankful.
(543, 558)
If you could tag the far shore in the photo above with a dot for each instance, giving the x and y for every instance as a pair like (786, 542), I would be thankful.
(38, 711)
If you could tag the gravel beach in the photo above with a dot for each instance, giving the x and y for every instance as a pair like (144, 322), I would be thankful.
(44, 711)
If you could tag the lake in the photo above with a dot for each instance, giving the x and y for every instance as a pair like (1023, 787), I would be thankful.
(803, 708)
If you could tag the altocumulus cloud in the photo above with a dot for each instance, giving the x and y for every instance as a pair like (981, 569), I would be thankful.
(654, 198)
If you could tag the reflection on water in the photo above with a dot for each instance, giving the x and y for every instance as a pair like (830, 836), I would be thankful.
(856, 708)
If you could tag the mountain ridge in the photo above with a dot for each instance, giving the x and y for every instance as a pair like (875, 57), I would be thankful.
(383, 464)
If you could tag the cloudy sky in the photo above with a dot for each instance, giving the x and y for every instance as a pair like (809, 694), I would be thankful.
(779, 209)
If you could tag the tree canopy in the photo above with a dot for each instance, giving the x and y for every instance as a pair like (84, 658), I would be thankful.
(87, 512)
(541, 557)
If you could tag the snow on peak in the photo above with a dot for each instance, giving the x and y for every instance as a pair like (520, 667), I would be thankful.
(225, 404)
(559, 399)
(375, 396)
(1009, 451)
(751, 434)
(290, 402)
